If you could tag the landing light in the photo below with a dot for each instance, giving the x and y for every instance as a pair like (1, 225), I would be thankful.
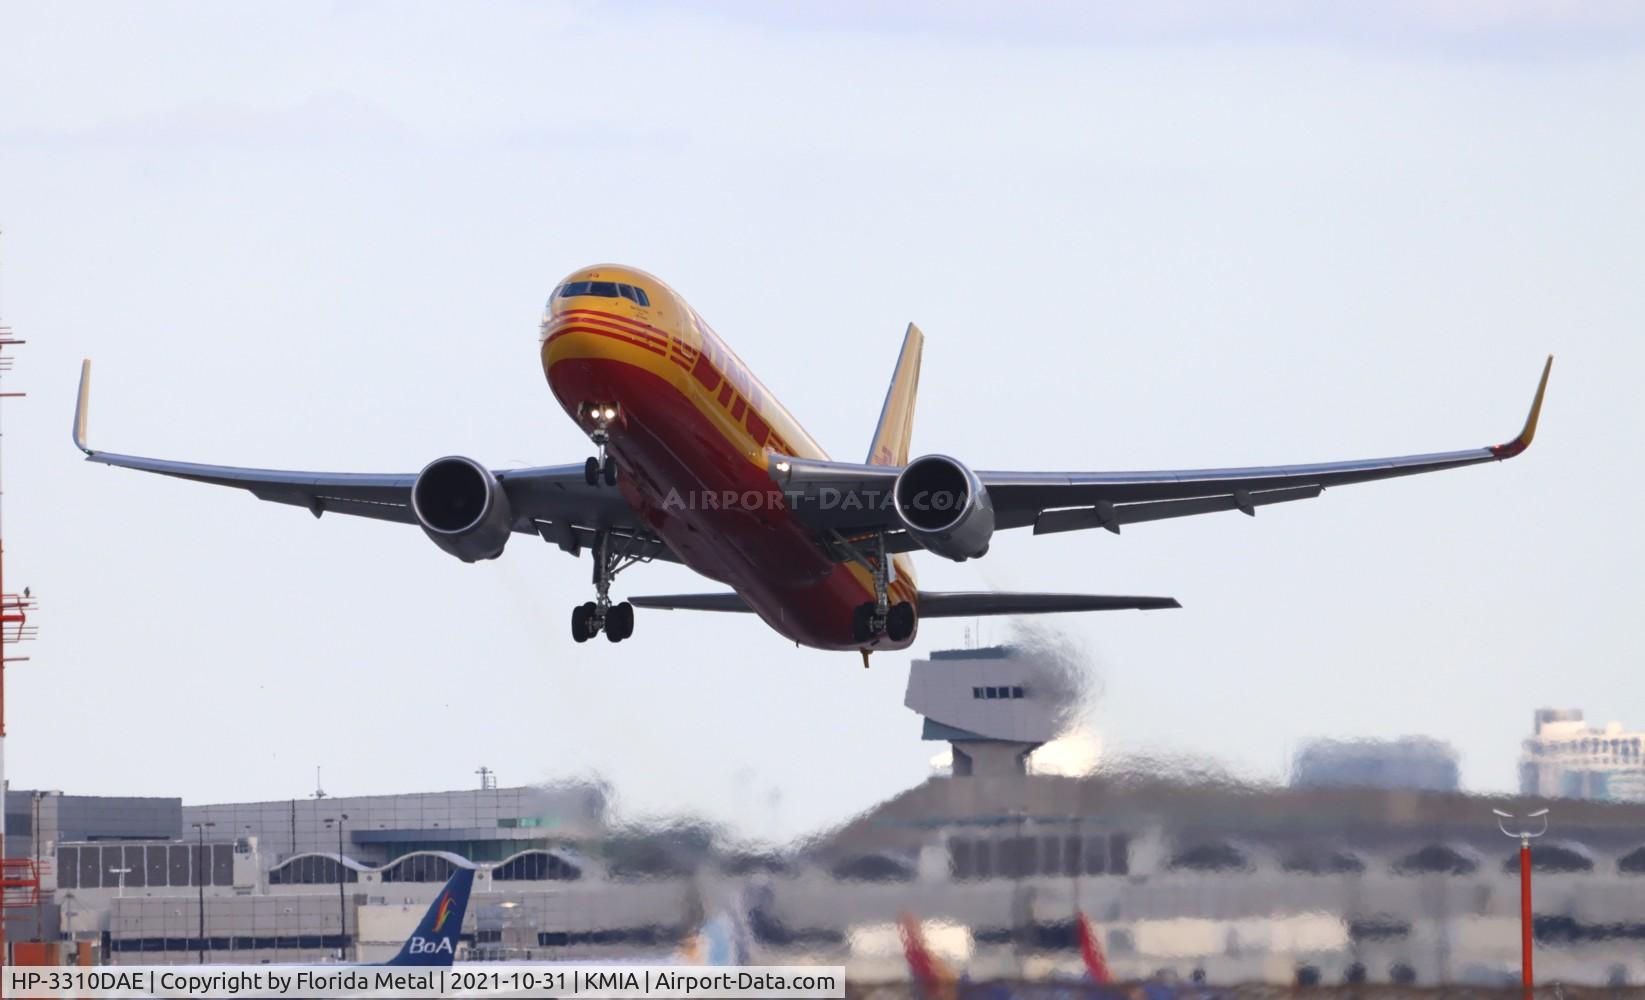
(610, 414)
(782, 466)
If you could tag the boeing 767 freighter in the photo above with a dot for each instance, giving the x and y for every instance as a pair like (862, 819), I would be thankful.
(697, 463)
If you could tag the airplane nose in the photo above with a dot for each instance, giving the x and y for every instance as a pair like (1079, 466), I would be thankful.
(581, 359)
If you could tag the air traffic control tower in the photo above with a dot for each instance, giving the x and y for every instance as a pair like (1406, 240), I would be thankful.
(994, 705)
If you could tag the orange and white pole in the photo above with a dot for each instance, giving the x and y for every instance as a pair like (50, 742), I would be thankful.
(1527, 938)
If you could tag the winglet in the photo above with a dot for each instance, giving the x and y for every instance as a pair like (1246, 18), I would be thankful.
(80, 404)
(1522, 442)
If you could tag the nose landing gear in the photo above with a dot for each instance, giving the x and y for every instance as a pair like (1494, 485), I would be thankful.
(598, 417)
(600, 468)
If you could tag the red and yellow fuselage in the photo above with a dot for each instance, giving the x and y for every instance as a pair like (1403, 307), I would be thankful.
(694, 438)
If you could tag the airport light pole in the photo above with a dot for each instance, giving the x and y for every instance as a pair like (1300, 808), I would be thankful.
(200, 882)
(1524, 836)
(504, 938)
(1019, 902)
(1074, 861)
(122, 872)
(68, 918)
(342, 909)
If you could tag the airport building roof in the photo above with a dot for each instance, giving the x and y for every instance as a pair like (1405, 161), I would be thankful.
(480, 824)
(1132, 801)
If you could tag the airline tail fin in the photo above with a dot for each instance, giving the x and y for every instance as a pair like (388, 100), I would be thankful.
(890, 445)
(1091, 952)
(434, 942)
(721, 939)
(724, 941)
(933, 980)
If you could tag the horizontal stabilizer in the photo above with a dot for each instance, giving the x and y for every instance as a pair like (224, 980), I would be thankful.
(692, 602)
(955, 604)
(968, 605)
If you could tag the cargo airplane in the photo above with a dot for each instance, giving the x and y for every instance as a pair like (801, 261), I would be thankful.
(697, 463)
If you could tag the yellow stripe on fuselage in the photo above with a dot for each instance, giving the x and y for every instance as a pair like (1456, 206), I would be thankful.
(669, 340)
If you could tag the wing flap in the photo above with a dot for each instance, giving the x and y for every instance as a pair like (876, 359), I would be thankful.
(1111, 516)
(628, 542)
(960, 604)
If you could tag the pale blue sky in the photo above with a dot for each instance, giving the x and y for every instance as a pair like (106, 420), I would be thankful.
(320, 236)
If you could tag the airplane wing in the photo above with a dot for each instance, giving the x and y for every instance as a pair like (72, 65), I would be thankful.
(844, 501)
(552, 501)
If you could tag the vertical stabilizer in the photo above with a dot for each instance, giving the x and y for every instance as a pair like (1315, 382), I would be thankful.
(890, 446)
(1096, 964)
(933, 980)
(434, 942)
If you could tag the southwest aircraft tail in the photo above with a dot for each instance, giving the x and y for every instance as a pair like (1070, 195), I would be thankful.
(890, 445)
(1096, 965)
(434, 942)
(933, 979)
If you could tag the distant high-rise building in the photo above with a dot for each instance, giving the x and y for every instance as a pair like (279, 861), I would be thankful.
(1567, 758)
(1419, 762)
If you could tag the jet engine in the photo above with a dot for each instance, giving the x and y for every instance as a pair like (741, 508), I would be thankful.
(945, 507)
(462, 508)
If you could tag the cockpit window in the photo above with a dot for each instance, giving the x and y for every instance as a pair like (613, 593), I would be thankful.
(634, 294)
(605, 290)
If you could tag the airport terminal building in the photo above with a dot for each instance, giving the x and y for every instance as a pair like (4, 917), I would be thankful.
(132, 877)
(1338, 882)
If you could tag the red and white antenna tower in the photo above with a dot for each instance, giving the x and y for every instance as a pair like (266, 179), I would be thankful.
(19, 877)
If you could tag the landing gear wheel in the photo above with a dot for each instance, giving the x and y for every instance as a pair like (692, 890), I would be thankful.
(862, 622)
(872, 619)
(611, 556)
(584, 622)
(619, 622)
(899, 622)
(609, 471)
(591, 471)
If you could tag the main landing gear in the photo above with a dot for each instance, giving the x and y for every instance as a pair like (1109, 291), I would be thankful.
(879, 616)
(600, 615)
(600, 467)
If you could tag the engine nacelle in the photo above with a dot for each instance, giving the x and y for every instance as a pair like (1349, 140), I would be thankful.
(945, 507)
(463, 508)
